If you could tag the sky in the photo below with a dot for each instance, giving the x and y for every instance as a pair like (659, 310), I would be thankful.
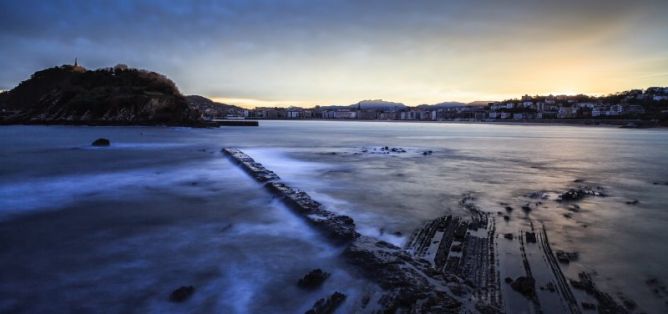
(305, 53)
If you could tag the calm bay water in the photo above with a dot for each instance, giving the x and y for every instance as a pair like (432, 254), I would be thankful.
(119, 228)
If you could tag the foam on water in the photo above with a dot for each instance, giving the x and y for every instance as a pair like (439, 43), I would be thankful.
(59, 191)
(303, 175)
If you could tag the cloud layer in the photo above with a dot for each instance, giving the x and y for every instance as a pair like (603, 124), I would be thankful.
(323, 52)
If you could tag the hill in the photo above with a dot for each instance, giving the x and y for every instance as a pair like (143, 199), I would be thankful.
(212, 109)
(110, 96)
(378, 104)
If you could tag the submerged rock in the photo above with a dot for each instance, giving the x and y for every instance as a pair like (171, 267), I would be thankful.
(588, 306)
(566, 257)
(101, 142)
(524, 285)
(580, 193)
(181, 294)
(327, 305)
(313, 279)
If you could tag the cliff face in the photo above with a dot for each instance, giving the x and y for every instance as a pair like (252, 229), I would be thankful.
(73, 95)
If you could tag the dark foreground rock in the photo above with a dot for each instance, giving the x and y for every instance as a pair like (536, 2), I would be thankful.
(411, 285)
(101, 142)
(313, 279)
(606, 304)
(579, 193)
(566, 257)
(524, 285)
(182, 294)
(328, 305)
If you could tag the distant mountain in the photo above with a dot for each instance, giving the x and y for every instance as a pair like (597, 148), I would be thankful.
(378, 104)
(480, 103)
(70, 94)
(444, 105)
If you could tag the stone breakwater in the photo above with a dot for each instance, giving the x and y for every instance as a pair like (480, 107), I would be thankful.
(338, 228)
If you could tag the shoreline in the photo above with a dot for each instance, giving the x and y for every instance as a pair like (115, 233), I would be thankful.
(581, 123)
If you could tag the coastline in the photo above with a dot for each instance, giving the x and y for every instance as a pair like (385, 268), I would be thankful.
(575, 123)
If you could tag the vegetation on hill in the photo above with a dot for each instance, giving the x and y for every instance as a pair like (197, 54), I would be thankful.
(73, 95)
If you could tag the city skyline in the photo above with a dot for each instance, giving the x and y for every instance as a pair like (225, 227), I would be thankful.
(336, 52)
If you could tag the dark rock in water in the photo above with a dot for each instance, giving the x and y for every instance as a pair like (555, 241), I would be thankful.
(588, 306)
(526, 208)
(550, 287)
(572, 195)
(628, 303)
(578, 180)
(580, 193)
(509, 209)
(327, 305)
(566, 257)
(524, 285)
(633, 202)
(574, 208)
(537, 195)
(606, 304)
(508, 236)
(506, 218)
(313, 279)
(181, 294)
(530, 237)
(101, 142)
(408, 283)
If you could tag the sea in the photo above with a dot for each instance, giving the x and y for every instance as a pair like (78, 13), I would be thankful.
(116, 229)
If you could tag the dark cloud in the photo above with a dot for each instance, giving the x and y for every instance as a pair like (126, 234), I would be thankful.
(202, 43)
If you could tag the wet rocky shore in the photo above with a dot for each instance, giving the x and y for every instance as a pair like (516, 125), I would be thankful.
(450, 264)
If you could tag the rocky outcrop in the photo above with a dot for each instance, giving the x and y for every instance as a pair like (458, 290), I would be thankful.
(111, 96)
(327, 305)
(313, 279)
(181, 294)
(410, 284)
(524, 285)
(580, 192)
(101, 142)
(606, 304)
